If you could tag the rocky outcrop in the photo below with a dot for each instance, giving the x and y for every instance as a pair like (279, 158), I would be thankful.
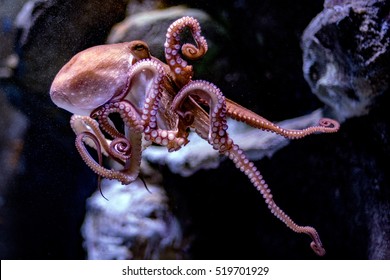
(132, 222)
(346, 55)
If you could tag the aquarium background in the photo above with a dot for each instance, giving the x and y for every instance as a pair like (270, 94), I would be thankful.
(338, 183)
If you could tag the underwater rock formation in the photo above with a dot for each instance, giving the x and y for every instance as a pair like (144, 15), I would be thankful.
(346, 55)
(133, 223)
(346, 63)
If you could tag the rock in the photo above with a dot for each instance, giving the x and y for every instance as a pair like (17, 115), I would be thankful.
(133, 223)
(139, 6)
(346, 55)
(346, 63)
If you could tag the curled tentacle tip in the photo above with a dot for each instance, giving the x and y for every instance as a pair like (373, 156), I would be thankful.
(317, 248)
(330, 124)
(192, 52)
(120, 148)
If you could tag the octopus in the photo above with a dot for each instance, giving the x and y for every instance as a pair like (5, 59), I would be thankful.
(159, 103)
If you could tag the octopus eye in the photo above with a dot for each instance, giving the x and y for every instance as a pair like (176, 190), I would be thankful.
(139, 47)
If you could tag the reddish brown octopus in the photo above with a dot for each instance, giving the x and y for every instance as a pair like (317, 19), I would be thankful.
(158, 103)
